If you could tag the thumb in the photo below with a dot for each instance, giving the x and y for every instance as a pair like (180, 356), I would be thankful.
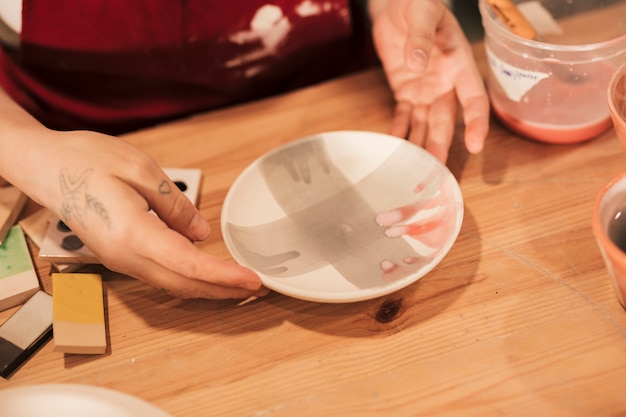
(423, 23)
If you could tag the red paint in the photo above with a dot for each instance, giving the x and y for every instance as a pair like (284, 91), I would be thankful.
(558, 111)
(557, 134)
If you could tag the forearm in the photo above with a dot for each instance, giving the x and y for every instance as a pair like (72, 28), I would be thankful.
(14, 116)
(21, 136)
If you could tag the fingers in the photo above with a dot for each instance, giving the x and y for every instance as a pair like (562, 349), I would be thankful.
(135, 241)
(175, 253)
(162, 257)
(401, 120)
(441, 123)
(424, 21)
(437, 52)
(419, 125)
(170, 203)
(183, 287)
(476, 117)
(429, 126)
(178, 212)
(469, 85)
(473, 98)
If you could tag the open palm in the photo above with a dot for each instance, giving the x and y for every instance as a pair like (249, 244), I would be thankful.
(430, 68)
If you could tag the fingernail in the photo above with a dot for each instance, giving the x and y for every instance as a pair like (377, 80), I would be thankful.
(262, 292)
(474, 147)
(418, 61)
(200, 227)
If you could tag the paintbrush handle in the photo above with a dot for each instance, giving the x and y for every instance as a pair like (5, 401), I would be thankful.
(510, 15)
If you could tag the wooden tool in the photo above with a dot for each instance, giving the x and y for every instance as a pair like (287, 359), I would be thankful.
(518, 24)
(510, 15)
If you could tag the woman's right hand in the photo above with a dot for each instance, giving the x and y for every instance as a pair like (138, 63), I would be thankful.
(103, 188)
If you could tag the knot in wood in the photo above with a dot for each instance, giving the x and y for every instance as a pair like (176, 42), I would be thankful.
(388, 311)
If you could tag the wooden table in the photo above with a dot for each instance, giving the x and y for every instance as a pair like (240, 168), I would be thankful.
(519, 319)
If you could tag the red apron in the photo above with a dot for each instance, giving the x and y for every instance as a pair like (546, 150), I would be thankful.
(118, 65)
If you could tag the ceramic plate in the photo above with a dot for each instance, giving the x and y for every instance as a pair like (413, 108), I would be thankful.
(72, 400)
(342, 216)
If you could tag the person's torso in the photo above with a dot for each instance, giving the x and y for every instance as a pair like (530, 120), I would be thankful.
(157, 58)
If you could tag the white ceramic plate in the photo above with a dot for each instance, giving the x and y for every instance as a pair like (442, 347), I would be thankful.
(342, 216)
(72, 400)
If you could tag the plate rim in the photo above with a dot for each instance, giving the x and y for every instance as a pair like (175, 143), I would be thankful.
(357, 294)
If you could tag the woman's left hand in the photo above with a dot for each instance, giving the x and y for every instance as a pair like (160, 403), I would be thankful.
(430, 68)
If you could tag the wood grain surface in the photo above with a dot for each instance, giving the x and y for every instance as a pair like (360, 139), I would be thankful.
(519, 319)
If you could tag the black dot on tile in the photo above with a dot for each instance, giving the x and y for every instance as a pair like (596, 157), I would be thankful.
(72, 243)
(62, 227)
(181, 185)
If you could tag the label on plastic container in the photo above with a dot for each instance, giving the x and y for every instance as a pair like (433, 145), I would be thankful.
(515, 82)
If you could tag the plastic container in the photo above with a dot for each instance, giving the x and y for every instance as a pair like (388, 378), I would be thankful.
(553, 88)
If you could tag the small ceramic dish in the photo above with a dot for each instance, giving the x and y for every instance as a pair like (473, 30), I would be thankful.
(342, 216)
(73, 400)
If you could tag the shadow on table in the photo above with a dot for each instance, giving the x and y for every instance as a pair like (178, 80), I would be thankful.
(509, 157)
(380, 317)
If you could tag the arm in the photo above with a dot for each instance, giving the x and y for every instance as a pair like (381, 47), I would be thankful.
(103, 188)
(430, 68)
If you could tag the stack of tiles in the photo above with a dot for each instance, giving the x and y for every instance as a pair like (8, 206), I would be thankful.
(78, 313)
(18, 277)
(29, 328)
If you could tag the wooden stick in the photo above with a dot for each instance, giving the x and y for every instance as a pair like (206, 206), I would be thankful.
(510, 15)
